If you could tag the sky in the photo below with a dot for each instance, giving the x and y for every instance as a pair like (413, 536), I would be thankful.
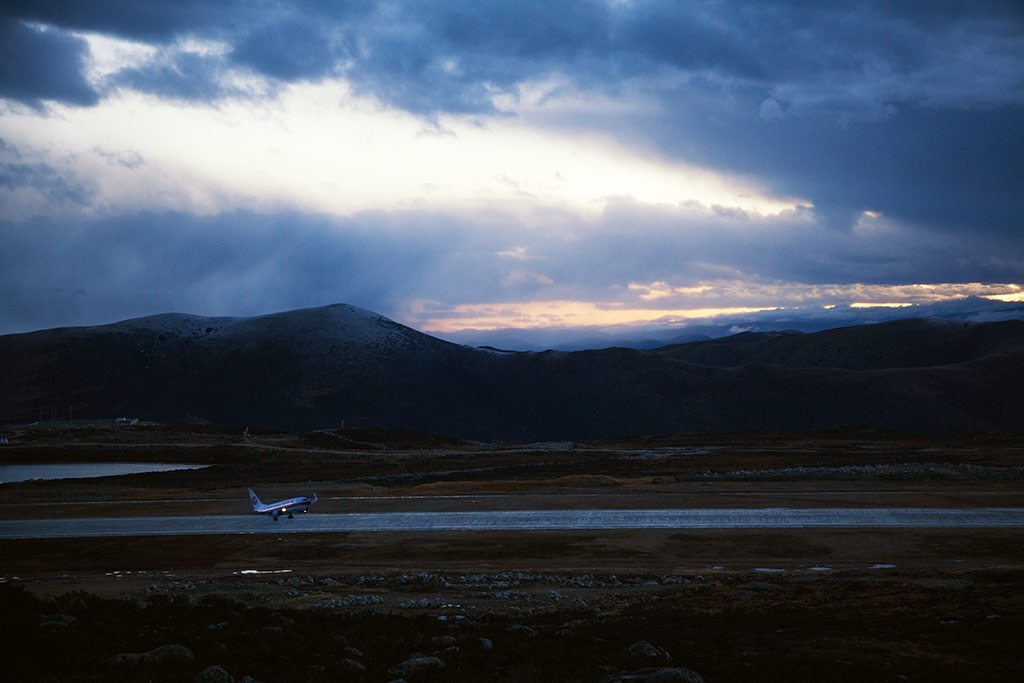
(476, 166)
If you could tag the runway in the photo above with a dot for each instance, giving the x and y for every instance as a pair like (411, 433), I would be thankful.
(521, 520)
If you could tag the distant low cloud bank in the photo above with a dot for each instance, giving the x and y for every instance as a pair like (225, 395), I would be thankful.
(801, 319)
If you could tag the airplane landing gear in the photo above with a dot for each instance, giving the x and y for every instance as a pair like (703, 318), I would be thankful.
(291, 516)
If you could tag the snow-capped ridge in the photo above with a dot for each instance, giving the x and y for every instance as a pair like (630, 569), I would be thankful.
(340, 322)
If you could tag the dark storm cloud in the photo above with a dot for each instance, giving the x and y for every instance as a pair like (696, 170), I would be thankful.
(178, 75)
(853, 60)
(38, 65)
(775, 43)
(292, 49)
(952, 168)
(816, 55)
(909, 108)
(262, 32)
(158, 20)
(431, 57)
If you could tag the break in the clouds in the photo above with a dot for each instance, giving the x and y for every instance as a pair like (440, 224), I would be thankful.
(506, 163)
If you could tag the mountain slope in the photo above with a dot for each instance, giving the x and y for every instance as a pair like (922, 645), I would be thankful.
(325, 367)
(297, 370)
(911, 343)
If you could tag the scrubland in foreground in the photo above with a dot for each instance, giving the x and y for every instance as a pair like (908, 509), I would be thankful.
(731, 605)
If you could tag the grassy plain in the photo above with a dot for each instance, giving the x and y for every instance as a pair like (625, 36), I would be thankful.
(733, 605)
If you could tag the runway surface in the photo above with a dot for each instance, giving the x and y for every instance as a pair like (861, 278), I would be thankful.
(525, 520)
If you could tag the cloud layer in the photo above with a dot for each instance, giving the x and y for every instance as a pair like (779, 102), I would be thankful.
(445, 271)
(891, 131)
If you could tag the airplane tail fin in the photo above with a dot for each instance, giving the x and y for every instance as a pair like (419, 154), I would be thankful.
(314, 497)
(255, 500)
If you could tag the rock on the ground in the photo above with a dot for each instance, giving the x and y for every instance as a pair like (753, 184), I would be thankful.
(417, 666)
(645, 654)
(165, 655)
(443, 641)
(656, 675)
(167, 662)
(352, 666)
(55, 623)
(213, 674)
(522, 630)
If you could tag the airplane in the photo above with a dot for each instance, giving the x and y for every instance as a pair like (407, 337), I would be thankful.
(290, 506)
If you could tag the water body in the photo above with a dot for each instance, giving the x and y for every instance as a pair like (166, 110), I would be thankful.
(83, 470)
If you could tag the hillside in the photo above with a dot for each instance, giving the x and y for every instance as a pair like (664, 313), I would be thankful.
(341, 365)
(911, 343)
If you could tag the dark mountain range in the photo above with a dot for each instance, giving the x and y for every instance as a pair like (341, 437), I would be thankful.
(340, 365)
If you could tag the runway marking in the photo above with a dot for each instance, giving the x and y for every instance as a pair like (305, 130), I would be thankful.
(519, 520)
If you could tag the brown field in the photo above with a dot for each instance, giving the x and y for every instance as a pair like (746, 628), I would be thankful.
(732, 605)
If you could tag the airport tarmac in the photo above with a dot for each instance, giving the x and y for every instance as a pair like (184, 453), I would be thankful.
(525, 520)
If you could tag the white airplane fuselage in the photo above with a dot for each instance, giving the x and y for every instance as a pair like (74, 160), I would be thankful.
(284, 507)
